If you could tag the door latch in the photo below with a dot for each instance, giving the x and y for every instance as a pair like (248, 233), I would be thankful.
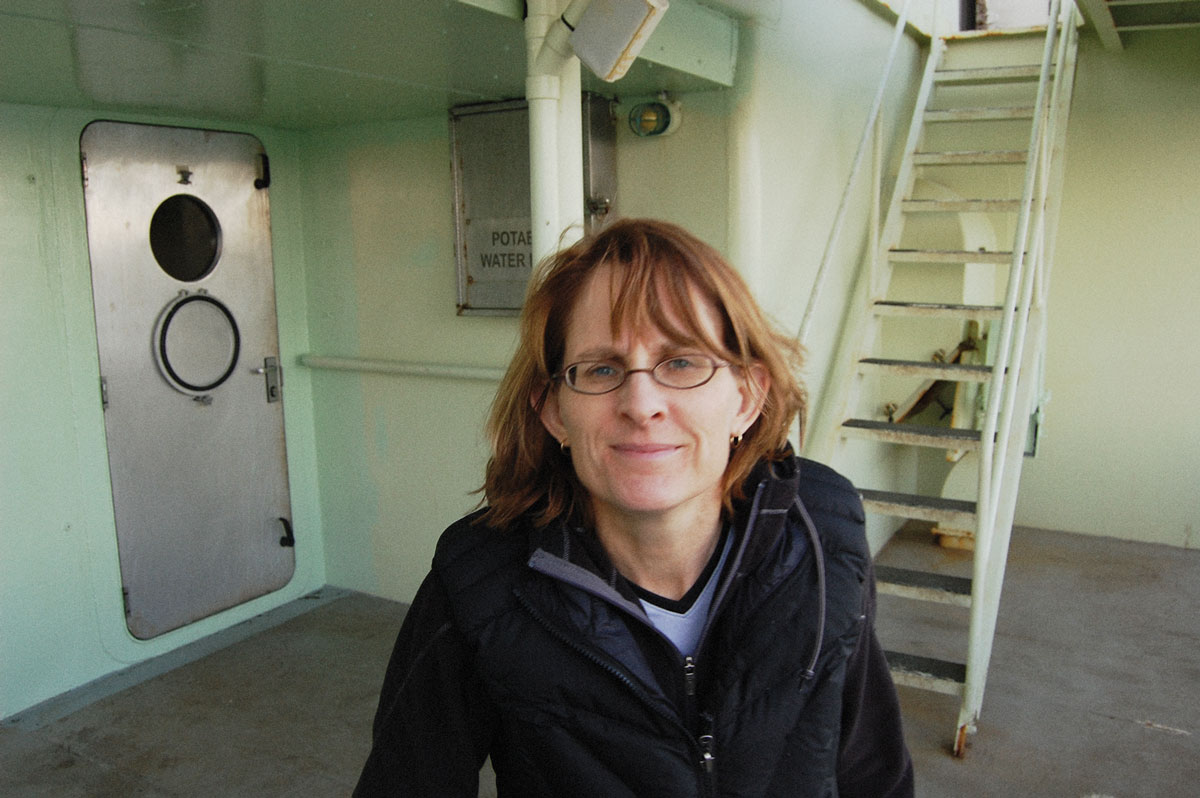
(273, 376)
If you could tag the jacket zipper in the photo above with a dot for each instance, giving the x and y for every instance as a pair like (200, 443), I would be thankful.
(731, 567)
(705, 742)
(702, 745)
(708, 757)
(689, 676)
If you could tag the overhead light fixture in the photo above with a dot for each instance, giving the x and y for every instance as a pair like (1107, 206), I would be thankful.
(610, 33)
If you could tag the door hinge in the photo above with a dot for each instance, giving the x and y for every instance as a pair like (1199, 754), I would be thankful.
(103, 392)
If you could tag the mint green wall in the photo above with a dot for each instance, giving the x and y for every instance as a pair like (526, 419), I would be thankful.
(806, 82)
(61, 615)
(682, 177)
(1121, 441)
(399, 456)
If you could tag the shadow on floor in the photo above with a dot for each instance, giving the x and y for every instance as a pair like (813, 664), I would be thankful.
(1094, 691)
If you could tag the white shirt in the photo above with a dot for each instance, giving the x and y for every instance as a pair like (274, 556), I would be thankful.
(684, 626)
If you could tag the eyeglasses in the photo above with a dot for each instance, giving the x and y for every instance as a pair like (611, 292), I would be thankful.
(602, 376)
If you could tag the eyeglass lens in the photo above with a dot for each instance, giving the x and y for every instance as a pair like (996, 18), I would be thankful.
(602, 376)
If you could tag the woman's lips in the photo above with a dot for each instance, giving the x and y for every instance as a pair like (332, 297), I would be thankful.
(645, 450)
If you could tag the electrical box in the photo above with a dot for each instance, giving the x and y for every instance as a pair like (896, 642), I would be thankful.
(490, 159)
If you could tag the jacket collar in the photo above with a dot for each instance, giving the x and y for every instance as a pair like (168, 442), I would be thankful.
(576, 556)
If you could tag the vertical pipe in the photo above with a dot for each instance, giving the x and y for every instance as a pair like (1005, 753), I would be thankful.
(542, 94)
(570, 154)
(745, 188)
(552, 91)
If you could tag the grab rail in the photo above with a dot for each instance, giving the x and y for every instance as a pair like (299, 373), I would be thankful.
(401, 368)
(843, 206)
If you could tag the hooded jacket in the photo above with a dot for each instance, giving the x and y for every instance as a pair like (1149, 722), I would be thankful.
(527, 645)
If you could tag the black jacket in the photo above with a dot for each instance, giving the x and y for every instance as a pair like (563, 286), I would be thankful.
(527, 645)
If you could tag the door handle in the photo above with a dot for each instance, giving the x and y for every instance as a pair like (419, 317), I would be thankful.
(273, 377)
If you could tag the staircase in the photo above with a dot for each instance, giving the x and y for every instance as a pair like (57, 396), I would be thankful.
(940, 368)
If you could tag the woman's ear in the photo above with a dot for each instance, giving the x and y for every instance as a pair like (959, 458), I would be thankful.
(548, 412)
(754, 385)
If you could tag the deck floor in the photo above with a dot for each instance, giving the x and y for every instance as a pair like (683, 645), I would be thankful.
(1094, 691)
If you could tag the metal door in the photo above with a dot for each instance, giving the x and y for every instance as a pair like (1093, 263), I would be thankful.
(179, 237)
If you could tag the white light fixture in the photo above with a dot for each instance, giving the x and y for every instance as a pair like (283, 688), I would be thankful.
(611, 33)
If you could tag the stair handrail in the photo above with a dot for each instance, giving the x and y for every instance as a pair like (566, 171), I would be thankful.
(1024, 290)
(1002, 382)
(855, 169)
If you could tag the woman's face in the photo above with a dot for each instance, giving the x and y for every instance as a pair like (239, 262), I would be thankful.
(646, 451)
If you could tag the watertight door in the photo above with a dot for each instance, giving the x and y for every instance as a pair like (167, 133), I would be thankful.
(179, 237)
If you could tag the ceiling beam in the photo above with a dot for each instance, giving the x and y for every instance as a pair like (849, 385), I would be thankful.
(1096, 12)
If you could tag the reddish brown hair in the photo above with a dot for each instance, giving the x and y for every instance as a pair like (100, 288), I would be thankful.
(655, 266)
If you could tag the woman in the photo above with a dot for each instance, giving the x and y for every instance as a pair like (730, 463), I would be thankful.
(659, 599)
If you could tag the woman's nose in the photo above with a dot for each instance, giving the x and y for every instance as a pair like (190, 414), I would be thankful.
(641, 397)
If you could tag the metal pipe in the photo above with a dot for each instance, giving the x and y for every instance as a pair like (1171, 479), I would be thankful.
(555, 141)
(843, 207)
(401, 368)
(541, 93)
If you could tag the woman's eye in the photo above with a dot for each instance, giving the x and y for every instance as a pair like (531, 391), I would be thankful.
(682, 363)
(601, 371)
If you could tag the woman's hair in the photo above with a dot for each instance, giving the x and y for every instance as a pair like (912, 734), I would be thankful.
(656, 267)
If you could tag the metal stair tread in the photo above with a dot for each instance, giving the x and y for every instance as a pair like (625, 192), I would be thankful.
(916, 434)
(964, 157)
(979, 114)
(916, 500)
(890, 308)
(961, 206)
(908, 577)
(928, 673)
(952, 512)
(949, 255)
(955, 372)
(1017, 73)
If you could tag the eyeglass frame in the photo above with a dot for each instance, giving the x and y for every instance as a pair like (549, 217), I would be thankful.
(561, 375)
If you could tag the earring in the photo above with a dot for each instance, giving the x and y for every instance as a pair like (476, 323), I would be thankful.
(735, 441)
(563, 446)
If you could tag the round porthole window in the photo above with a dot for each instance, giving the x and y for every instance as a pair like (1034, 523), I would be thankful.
(185, 237)
(196, 343)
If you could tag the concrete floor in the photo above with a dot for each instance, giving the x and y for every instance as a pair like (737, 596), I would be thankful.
(1094, 691)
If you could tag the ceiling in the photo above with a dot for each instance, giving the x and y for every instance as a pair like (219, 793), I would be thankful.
(1113, 20)
(281, 63)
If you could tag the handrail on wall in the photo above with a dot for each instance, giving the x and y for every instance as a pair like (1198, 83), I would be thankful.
(863, 143)
(401, 368)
